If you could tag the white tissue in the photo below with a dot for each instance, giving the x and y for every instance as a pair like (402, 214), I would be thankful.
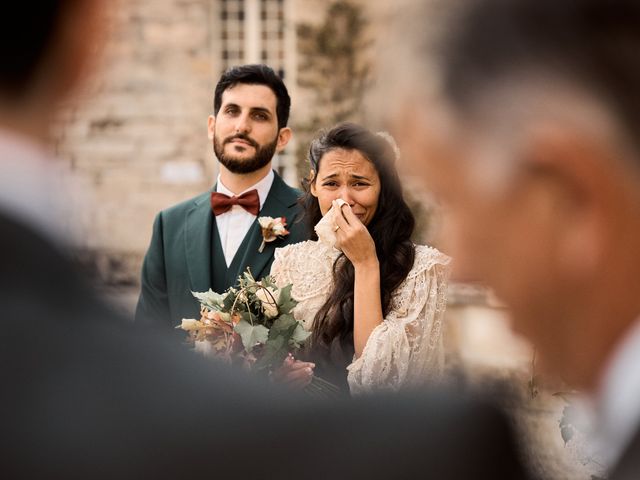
(325, 228)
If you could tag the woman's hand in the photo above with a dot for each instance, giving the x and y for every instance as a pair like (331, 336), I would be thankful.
(356, 243)
(353, 238)
(294, 373)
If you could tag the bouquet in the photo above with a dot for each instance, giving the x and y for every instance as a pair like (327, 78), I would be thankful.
(252, 326)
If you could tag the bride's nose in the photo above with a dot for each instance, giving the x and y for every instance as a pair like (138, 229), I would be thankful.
(345, 194)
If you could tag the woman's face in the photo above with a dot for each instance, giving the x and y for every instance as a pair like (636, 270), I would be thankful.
(348, 175)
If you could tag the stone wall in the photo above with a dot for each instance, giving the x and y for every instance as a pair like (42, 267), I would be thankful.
(139, 143)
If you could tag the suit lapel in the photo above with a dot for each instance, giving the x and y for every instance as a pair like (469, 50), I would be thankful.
(198, 243)
(247, 255)
(280, 202)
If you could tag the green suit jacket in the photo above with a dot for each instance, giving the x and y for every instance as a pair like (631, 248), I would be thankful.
(184, 255)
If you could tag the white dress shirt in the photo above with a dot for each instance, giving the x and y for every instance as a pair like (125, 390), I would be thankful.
(234, 225)
(33, 186)
(618, 402)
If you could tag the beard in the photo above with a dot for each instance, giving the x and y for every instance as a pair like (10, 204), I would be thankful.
(263, 154)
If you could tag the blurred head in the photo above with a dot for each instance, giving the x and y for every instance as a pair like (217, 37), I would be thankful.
(251, 109)
(43, 56)
(534, 152)
(357, 165)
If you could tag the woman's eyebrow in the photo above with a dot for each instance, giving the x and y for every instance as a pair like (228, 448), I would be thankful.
(331, 175)
(359, 177)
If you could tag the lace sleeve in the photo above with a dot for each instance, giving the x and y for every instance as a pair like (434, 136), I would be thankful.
(279, 270)
(406, 348)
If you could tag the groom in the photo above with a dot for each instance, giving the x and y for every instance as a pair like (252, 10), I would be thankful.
(208, 241)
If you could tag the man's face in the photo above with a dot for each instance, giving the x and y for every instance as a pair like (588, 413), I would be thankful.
(498, 226)
(245, 130)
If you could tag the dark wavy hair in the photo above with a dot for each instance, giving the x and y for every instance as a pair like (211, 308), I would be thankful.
(257, 74)
(391, 227)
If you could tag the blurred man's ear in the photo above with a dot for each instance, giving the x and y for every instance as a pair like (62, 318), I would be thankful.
(579, 179)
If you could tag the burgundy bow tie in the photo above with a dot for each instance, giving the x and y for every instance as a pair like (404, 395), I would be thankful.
(250, 201)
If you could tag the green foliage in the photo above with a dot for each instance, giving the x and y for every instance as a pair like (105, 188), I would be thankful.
(274, 353)
(209, 299)
(239, 315)
(300, 335)
(278, 344)
(251, 334)
(245, 308)
(286, 303)
(228, 301)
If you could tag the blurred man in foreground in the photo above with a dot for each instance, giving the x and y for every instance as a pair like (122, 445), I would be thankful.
(88, 395)
(536, 153)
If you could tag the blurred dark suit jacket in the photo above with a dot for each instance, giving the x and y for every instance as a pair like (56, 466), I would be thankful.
(87, 394)
(628, 468)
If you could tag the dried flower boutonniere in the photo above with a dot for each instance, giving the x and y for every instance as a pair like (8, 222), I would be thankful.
(272, 228)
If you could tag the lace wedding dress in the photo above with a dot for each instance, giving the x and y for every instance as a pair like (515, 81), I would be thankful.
(406, 348)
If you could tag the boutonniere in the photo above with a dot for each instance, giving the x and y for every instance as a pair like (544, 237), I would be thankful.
(272, 228)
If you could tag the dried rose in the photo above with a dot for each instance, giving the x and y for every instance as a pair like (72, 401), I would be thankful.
(268, 301)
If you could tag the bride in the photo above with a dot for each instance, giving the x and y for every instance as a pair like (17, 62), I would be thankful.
(373, 300)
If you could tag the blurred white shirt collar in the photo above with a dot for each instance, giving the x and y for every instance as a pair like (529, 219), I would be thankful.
(32, 185)
(618, 402)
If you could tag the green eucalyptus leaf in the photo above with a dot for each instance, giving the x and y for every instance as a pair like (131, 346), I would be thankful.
(249, 317)
(284, 323)
(275, 343)
(300, 335)
(286, 303)
(210, 299)
(268, 282)
(248, 277)
(228, 301)
(277, 347)
(274, 353)
(251, 334)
